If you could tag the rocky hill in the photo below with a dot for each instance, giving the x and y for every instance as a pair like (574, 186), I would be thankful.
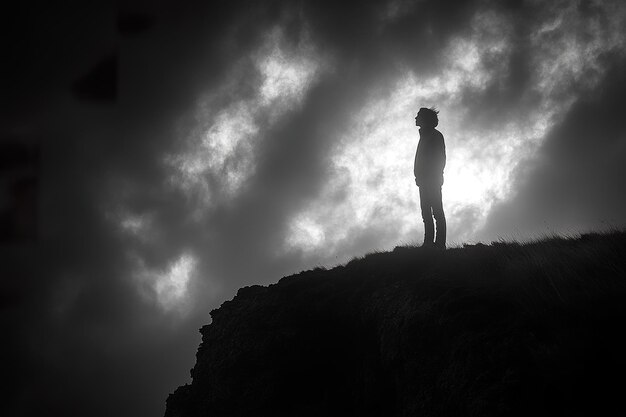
(535, 329)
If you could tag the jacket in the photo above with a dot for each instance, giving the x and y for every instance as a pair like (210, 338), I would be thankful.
(430, 158)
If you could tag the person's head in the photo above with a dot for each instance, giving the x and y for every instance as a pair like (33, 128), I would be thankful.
(427, 117)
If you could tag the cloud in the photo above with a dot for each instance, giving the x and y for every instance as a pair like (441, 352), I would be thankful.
(221, 142)
(170, 288)
(575, 183)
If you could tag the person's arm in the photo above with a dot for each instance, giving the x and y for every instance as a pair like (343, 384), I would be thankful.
(439, 157)
(443, 153)
(415, 167)
(439, 154)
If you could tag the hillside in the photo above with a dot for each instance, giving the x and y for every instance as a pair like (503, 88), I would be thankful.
(485, 330)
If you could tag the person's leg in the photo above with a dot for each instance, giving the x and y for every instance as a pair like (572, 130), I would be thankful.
(427, 216)
(440, 218)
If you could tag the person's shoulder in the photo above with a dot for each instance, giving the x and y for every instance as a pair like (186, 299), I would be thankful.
(438, 133)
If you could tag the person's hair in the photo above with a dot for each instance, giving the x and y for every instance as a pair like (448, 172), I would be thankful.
(430, 116)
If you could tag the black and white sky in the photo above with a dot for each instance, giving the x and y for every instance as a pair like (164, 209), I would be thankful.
(169, 153)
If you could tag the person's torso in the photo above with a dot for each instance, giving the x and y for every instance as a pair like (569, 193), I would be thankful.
(429, 150)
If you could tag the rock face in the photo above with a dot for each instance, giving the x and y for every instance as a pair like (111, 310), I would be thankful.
(485, 330)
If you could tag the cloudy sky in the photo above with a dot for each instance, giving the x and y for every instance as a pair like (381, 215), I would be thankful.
(183, 151)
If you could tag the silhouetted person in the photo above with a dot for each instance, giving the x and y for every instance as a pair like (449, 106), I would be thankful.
(430, 159)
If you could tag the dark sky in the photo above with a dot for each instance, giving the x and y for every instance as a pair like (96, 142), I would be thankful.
(157, 157)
